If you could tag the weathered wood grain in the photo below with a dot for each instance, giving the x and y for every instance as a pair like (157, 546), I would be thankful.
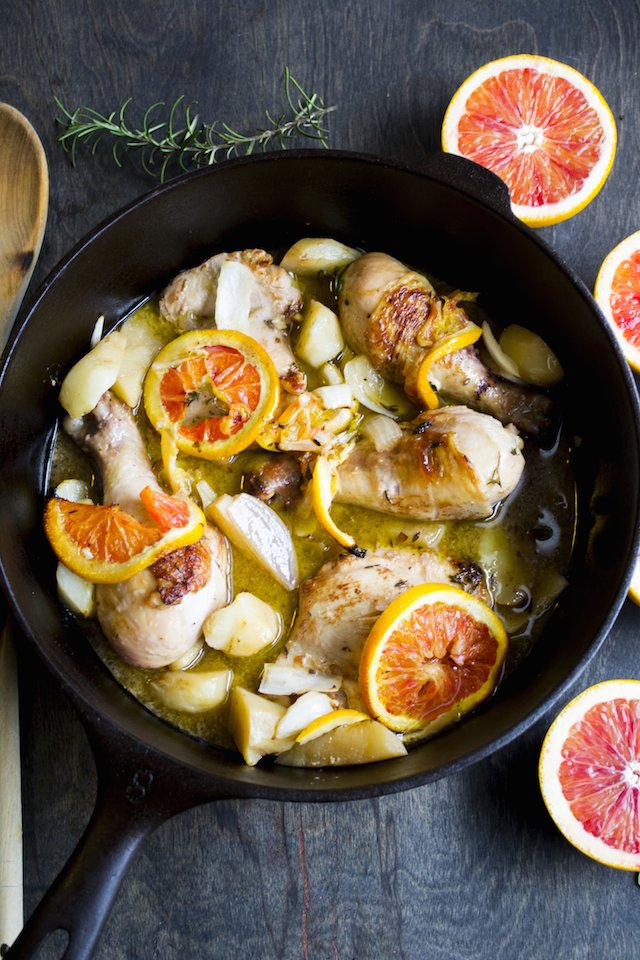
(469, 868)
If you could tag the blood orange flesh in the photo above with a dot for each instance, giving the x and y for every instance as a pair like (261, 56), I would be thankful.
(535, 131)
(590, 772)
(600, 773)
(625, 298)
(539, 125)
(105, 544)
(212, 390)
(432, 656)
(617, 290)
(436, 657)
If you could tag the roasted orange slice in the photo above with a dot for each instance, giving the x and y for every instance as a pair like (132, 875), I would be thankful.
(104, 544)
(433, 655)
(213, 390)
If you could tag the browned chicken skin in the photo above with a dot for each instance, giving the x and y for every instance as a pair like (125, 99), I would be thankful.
(451, 464)
(340, 604)
(392, 315)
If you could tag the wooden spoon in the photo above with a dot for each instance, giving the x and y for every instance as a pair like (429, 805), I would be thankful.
(24, 196)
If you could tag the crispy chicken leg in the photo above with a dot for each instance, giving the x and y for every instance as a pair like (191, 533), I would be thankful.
(394, 316)
(452, 463)
(156, 616)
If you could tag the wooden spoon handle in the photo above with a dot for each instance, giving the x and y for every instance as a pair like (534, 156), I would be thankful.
(11, 903)
(24, 195)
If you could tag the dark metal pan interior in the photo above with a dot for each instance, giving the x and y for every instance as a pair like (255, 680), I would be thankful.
(454, 226)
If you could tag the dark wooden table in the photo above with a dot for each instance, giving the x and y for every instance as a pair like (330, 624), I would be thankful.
(468, 867)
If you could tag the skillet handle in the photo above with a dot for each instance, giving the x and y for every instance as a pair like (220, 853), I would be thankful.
(135, 795)
(469, 177)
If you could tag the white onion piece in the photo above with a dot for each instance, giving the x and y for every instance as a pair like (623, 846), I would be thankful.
(372, 390)
(233, 296)
(534, 357)
(313, 255)
(335, 396)
(98, 330)
(257, 530)
(504, 364)
(383, 432)
(188, 659)
(206, 493)
(308, 707)
(283, 680)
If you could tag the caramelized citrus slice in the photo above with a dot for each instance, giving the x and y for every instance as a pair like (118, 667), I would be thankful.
(433, 655)
(324, 486)
(448, 344)
(590, 773)
(328, 722)
(213, 390)
(539, 125)
(104, 544)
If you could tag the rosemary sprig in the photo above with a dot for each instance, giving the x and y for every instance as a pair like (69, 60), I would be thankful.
(186, 141)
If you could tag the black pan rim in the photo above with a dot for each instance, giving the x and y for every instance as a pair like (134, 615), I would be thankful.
(260, 785)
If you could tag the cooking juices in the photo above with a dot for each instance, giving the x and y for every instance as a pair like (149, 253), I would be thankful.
(521, 551)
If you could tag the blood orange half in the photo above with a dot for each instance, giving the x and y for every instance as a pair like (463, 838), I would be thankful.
(590, 773)
(617, 291)
(541, 126)
(433, 655)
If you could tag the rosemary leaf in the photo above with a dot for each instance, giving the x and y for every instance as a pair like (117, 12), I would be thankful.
(181, 141)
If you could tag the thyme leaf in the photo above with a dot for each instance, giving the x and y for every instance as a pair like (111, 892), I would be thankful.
(177, 141)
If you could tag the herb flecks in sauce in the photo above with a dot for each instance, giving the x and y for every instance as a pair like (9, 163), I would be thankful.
(522, 551)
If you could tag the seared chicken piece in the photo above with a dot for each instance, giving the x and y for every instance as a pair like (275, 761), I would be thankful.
(156, 616)
(393, 315)
(190, 302)
(341, 603)
(450, 464)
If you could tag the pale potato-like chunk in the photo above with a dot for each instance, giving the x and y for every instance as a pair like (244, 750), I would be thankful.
(193, 691)
(536, 362)
(320, 338)
(365, 742)
(143, 343)
(243, 627)
(93, 375)
(74, 490)
(253, 720)
(313, 255)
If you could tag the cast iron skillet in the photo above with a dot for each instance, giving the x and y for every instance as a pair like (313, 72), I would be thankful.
(454, 218)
